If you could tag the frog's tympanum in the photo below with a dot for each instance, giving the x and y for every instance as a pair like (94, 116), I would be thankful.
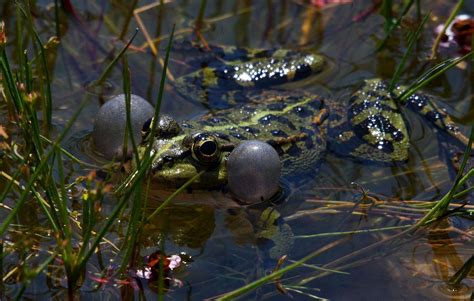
(301, 126)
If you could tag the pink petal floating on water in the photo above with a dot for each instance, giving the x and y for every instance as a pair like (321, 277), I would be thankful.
(175, 261)
(459, 32)
(323, 3)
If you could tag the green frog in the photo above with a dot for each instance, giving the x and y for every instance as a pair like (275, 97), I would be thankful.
(301, 126)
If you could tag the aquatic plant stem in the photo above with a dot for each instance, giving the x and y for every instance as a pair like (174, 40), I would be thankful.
(37, 173)
(47, 101)
(128, 98)
(109, 67)
(174, 194)
(129, 186)
(352, 232)
(455, 280)
(276, 274)
(128, 18)
(411, 42)
(390, 26)
(159, 98)
(56, 18)
(434, 48)
(442, 205)
(36, 272)
(430, 75)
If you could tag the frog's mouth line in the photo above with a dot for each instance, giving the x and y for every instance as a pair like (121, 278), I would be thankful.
(168, 160)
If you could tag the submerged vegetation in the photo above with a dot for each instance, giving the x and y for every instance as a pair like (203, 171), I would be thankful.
(71, 225)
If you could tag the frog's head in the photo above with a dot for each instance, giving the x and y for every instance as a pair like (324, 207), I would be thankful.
(181, 153)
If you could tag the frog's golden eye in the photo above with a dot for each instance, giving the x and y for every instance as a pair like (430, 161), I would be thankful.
(205, 149)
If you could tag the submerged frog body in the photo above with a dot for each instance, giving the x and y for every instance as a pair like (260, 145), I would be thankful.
(300, 126)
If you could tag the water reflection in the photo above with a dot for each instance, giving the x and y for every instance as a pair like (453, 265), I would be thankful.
(222, 236)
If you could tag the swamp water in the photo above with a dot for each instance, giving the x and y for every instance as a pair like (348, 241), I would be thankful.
(208, 226)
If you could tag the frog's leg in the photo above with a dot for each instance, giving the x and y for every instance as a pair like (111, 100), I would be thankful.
(197, 56)
(228, 83)
(201, 56)
(271, 227)
(373, 127)
(425, 106)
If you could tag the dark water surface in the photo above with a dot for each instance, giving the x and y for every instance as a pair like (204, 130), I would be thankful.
(207, 225)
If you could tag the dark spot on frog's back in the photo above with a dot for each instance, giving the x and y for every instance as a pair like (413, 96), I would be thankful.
(310, 135)
(397, 135)
(417, 102)
(316, 103)
(302, 111)
(238, 135)
(353, 99)
(294, 150)
(264, 53)
(358, 108)
(383, 86)
(279, 133)
(383, 125)
(225, 79)
(239, 97)
(251, 130)
(303, 71)
(268, 119)
(276, 146)
(385, 146)
(222, 136)
(215, 121)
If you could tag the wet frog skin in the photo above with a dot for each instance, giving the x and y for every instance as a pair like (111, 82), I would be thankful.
(294, 125)
(300, 126)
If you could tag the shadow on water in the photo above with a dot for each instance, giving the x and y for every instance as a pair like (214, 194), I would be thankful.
(230, 244)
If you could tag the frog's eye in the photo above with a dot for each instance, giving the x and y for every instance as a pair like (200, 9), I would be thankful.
(205, 149)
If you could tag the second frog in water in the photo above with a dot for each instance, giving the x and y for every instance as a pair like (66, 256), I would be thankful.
(301, 126)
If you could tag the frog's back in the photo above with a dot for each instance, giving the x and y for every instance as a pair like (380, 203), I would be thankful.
(294, 123)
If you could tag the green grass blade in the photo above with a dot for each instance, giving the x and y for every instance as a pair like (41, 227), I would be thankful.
(34, 274)
(61, 203)
(363, 231)
(69, 155)
(160, 93)
(276, 274)
(109, 67)
(39, 171)
(56, 19)
(28, 73)
(174, 194)
(442, 205)
(386, 11)
(47, 99)
(390, 25)
(411, 42)
(127, 92)
(85, 253)
(430, 75)
(128, 18)
(146, 155)
(10, 83)
(19, 42)
(462, 273)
